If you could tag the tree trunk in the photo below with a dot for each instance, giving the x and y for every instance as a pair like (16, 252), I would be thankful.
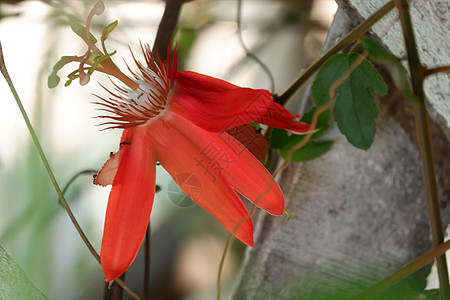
(356, 216)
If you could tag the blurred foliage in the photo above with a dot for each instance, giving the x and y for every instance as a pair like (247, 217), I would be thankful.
(33, 209)
(14, 284)
(409, 288)
(30, 209)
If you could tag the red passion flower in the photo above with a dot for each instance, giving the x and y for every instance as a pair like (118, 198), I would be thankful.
(179, 119)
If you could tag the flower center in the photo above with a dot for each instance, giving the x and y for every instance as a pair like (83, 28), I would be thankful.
(129, 107)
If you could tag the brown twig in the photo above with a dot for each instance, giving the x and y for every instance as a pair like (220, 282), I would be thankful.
(113, 291)
(145, 286)
(355, 34)
(425, 146)
(166, 27)
(443, 69)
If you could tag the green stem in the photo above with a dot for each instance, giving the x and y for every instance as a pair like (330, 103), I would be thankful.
(226, 251)
(425, 146)
(41, 153)
(405, 271)
(74, 177)
(355, 34)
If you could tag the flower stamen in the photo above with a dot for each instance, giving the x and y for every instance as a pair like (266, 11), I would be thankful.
(128, 107)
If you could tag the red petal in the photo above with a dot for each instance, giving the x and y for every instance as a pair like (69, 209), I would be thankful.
(179, 155)
(216, 105)
(279, 117)
(237, 165)
(129, 206)
(252, 139)
(250, 178)
(106, 175)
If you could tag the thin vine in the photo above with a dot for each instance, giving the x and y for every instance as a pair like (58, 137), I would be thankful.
(49, 171)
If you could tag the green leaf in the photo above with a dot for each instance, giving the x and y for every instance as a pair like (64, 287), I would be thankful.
(14, 284)
(355, 108)
(398, 72)
(323, 122)
(311, 150)
(432, 294)
(376, 51)
(331, 71)
(80, 30)
(400, 79)
(279, 138)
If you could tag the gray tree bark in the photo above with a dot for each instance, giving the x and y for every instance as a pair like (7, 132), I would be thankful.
(356, 216)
